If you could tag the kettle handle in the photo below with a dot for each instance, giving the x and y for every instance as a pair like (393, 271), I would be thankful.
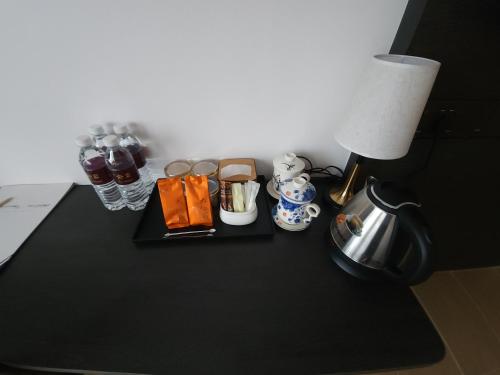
(414, 224)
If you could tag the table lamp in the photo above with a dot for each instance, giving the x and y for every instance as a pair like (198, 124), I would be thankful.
(384, 112)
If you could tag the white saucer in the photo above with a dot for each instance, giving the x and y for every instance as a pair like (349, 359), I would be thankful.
(290, 227)
(271, 190)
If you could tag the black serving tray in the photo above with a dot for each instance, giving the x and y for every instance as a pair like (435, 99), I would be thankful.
(152, 226)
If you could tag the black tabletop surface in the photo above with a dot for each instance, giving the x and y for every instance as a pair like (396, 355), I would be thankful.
(80, 294)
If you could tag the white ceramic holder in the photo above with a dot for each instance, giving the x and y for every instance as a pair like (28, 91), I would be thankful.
(238, 218)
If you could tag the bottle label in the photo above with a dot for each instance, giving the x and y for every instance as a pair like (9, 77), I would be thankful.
(126, 176)
(100, 176)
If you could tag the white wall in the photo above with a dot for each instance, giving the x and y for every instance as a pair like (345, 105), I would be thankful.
(207, 78)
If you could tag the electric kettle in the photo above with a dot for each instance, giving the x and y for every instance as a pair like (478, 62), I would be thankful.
(381, 235)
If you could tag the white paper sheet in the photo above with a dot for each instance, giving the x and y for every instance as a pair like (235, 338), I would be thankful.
(20, 216)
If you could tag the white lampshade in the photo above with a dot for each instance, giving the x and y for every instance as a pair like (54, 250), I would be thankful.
(387, 107)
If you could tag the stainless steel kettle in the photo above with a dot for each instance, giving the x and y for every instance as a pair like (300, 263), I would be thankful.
(380, 234)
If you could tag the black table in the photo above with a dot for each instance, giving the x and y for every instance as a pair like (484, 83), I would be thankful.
(80, 295)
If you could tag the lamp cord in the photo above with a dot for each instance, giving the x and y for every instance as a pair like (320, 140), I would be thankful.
(331, 171)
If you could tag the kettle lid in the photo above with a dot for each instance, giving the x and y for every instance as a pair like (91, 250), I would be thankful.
(390, 196)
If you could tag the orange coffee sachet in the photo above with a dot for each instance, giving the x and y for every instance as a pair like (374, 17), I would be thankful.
(198, 201)
(173, 202)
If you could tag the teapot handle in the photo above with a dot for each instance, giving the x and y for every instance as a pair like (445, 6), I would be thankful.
(413, 223)
(306, 176)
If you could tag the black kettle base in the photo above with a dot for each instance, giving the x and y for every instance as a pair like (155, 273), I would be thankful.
(353, 268)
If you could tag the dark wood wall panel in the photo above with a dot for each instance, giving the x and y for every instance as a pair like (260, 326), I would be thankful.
(459, 133)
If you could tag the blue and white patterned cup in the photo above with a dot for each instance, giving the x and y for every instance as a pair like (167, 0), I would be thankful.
(294, 206)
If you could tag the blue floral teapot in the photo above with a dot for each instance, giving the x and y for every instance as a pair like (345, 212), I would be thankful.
(294, 206)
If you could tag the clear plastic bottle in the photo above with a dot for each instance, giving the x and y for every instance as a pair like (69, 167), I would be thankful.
(122, 166)
(98, 134)
(93, 163)
(132, 144)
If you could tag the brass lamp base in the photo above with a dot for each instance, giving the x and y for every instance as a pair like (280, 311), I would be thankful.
(341, 195)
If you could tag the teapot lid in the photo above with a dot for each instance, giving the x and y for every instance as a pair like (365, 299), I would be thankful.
(288, 162)
(298, 190)
(391, 196)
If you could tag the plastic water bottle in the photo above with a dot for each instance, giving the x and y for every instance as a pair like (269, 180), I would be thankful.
(98, 134)
(132, 144)
(93, 162)
(122, 166)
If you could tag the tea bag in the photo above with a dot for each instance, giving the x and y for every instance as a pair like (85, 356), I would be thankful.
(251, 191)
(173, 203)
(238, 197)
(198, 201)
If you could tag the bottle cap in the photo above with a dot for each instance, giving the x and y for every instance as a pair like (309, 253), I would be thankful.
(134, 128)
(111, 141)
(83, 141)
(120, 129)
(96, 130)
(108, 128)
